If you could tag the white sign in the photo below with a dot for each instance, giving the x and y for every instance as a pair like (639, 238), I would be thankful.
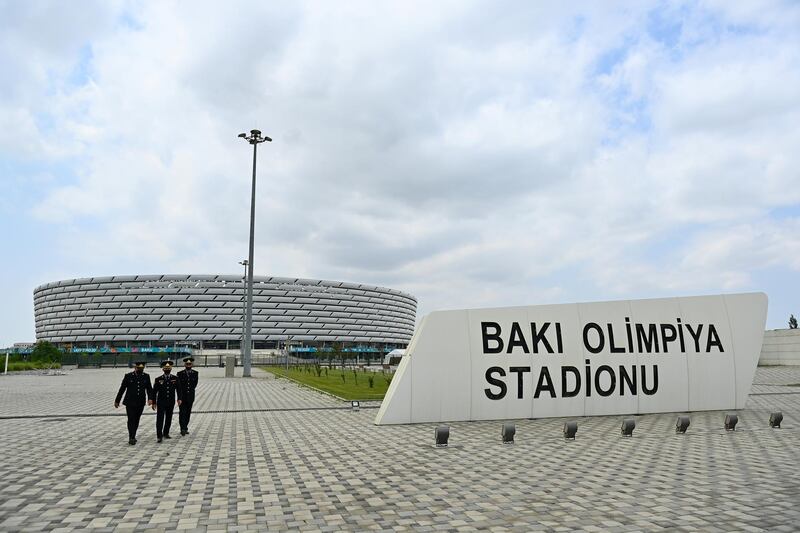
(604, 358)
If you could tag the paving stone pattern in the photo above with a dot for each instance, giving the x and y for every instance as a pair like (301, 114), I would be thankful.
(297, 464)
(92, 391)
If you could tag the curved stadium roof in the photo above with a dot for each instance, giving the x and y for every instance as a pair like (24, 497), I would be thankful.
(209, 307)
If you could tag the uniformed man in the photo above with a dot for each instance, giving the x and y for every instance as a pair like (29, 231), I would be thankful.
(187, 383)
(138, 393)
(164, 390)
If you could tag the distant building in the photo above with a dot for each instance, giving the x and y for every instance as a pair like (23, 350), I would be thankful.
(206, 311)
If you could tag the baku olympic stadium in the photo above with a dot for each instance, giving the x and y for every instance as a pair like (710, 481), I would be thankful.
(159, 312)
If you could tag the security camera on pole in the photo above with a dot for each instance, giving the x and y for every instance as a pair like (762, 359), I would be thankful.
(255, 139)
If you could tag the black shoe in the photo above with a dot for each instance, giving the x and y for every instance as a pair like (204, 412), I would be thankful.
(159, 439)
(131, 441)
(183, 432)
(167, 437)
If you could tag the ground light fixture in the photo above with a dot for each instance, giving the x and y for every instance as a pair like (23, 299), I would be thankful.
(508, 432)
(570, 429)
(682, 424)
(442, 434)
(355, 405)
(730, 422)
(775, 419)
(628, 425)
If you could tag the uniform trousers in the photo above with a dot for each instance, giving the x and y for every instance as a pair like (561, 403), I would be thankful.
(184, 413)
(134, 414)
(163, 420)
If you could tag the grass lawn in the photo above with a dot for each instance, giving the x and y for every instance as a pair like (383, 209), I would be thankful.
(353, 387)
(17, 366)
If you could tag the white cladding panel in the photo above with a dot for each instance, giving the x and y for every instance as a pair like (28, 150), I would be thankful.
(745, 341)
(601, 314)
(671, 367)
(711, 376)
(644, 356)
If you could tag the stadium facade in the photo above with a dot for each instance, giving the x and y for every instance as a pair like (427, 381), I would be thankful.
(148, 312)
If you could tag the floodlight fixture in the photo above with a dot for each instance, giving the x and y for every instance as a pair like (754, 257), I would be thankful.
(255, 137)
(730, 422)
(682, 424)
(508, 432)
(570, 429)
(442, 434)
(775, 419)
(354, 405)
(628, 425)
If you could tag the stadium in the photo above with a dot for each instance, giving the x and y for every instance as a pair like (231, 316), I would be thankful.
(165, 313)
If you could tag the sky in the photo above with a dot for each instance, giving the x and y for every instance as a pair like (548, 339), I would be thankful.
(473, 154)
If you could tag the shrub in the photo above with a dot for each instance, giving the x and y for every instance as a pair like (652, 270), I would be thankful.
(371, 380)
(45, 351)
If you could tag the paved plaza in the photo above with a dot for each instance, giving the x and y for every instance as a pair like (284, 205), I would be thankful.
(265, 454)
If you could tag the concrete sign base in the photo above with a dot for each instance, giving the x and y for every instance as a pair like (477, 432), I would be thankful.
(603, 358)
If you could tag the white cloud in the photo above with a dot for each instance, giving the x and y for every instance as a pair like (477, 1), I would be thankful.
(472, 153)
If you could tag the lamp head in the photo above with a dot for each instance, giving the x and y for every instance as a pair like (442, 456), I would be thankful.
(442, 434)
(243, 135)
(628, 425)
(508, 432)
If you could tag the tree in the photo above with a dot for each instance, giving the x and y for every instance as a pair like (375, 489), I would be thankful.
(792, 322)
(45, 351)
(338, 352)
(327, 353)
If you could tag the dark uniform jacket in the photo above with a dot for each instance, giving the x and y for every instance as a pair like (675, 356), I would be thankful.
(187, 383)
(164, 389)
(138, 389)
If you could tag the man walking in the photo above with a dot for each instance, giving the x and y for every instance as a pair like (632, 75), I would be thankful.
(138, 392)
(164, 390)
(187, 383)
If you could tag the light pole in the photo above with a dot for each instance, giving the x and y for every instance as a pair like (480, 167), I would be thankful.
(255, 139)
(288, 349)
(243, 262)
